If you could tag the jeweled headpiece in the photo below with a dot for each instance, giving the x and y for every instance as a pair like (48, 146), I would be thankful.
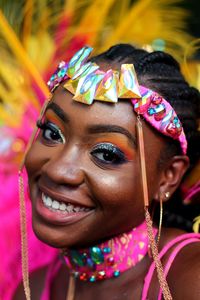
(88, 83)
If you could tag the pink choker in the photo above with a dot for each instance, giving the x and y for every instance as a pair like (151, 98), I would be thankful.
(110, 258)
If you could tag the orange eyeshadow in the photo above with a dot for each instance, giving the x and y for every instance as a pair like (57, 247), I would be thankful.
(52, 117)
(120, 141)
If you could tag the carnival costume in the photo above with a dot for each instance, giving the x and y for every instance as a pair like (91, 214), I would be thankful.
(87, 83)
(20, 110)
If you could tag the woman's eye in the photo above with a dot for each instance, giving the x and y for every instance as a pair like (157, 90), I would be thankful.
(51, 133)
(107, 153)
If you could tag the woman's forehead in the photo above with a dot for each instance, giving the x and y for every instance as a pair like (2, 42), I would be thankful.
(83, 117)
(104, 112)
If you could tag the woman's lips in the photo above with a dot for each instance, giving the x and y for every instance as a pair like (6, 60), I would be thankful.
(59, 212)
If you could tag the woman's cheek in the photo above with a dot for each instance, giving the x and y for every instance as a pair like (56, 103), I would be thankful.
(35, 157)
(118, 188)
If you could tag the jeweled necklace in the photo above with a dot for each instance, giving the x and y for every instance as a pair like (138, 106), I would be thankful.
(110, 258)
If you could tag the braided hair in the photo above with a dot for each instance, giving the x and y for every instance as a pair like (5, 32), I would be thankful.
(160, 72)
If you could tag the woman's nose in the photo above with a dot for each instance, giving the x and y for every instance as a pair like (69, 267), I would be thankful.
(65, 168)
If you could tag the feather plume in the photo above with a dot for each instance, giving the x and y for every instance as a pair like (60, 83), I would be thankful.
(49, 33)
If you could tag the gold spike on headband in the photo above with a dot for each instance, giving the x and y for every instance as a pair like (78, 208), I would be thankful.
(88, 83)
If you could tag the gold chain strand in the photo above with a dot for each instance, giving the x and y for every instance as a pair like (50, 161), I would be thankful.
(71, 288)
(23, 221)
(161, 277)
(24, 244)
(154, 249)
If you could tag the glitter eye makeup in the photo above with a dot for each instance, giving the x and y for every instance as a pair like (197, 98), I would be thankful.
(51, 133)
(119, 142)
(107, 153)
(112, 149)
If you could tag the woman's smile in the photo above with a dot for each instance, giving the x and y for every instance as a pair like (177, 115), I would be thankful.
(60, 210)
(59, 213)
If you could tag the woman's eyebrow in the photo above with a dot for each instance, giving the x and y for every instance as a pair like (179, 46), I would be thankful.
(112, 128)
(58, 111)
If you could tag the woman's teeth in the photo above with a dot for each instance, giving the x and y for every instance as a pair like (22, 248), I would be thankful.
(61, 206)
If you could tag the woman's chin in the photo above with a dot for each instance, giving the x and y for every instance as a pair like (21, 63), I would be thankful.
(50, 238)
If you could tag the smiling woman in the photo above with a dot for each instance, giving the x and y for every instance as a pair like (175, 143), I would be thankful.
(98, 152)
(110, 146)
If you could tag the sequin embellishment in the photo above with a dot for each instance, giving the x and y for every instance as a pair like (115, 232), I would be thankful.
(111, 258)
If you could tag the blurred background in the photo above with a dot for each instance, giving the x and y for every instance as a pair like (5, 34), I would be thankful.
(193, 6)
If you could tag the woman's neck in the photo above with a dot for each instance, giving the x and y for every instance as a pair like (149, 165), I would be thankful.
(110, 258)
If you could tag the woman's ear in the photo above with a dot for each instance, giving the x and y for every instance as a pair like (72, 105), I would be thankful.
(171, 176)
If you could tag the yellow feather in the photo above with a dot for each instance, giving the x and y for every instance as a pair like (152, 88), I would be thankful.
(96, 14)
(148, 20)
(20, 53)
(15, 91)
(69, 5)
(191, 68)
(196, 225)
(40, 49)
(27, 24)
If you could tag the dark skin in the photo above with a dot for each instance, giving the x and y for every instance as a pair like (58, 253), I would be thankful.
(71, 169)
(74, 166)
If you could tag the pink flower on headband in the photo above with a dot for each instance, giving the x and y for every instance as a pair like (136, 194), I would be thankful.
(159, 113)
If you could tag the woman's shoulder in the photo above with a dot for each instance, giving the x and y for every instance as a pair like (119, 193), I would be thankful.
(177, 240)
(182, 262)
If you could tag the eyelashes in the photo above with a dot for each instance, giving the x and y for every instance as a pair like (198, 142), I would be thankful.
(103, 153)
(107, 153)
(51, 133)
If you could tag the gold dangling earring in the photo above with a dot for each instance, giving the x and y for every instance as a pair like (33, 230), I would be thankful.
(167, 195)
(161, 277)
(160, 222)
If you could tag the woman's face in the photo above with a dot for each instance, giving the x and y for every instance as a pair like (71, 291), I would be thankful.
(84, 171)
